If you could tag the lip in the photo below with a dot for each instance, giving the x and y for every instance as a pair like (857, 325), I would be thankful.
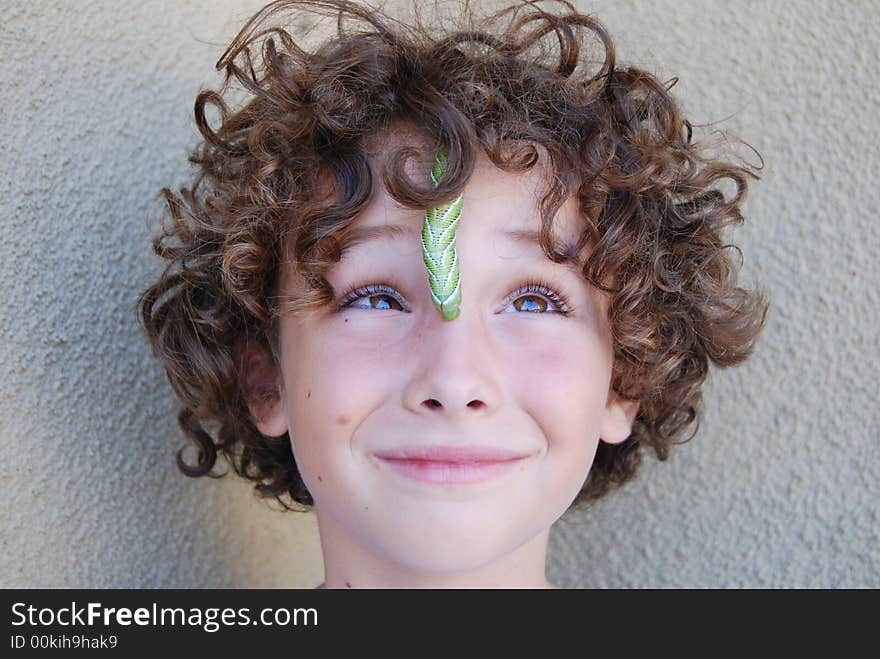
(450, 465)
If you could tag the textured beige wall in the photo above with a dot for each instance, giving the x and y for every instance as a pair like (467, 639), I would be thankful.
(781, 487)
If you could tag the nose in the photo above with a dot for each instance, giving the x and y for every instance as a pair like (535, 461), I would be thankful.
(454, 373)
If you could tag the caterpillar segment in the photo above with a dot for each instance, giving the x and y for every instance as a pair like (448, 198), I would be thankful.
(438, 248)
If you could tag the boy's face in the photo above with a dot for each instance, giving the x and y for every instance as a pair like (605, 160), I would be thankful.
(371, 390)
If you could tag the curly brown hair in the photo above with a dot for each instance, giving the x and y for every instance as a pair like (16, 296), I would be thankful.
(288, 172)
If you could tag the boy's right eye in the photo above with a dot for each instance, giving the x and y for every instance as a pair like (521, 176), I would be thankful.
(380, 295)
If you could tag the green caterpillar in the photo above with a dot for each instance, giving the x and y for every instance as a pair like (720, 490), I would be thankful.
(438, 248)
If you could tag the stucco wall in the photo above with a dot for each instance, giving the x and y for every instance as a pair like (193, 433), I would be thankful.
(780, 486)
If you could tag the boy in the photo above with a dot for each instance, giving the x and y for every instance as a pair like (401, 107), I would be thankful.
(440, 284)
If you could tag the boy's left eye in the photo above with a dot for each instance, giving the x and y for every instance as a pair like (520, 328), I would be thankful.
(529, 296)
(532, 297)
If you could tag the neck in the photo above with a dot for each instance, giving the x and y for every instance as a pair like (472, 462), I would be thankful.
(348, 563)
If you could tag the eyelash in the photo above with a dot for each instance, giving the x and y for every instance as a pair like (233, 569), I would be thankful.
(539, 287)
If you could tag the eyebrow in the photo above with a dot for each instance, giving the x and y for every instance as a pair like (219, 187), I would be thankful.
(363, 234)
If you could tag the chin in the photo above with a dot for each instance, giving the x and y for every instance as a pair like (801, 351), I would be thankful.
(447, 559)
(453, 548)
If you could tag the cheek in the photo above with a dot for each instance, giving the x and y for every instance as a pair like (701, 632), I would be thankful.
(333, 379)
(562, 380)
(332, 374)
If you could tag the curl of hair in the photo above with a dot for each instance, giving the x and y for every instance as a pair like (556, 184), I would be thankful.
(287, 173)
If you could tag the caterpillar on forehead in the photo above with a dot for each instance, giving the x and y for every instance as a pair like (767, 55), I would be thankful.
(438, 248)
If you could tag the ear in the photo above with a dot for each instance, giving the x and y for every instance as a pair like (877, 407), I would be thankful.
(618, 419)
(262, 387)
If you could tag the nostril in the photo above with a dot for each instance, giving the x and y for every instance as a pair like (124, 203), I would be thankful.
(434, 403)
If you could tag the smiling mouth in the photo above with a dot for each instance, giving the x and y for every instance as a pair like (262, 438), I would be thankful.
(451, 465)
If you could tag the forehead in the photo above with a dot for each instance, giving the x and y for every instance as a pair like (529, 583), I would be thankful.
(498, 205)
